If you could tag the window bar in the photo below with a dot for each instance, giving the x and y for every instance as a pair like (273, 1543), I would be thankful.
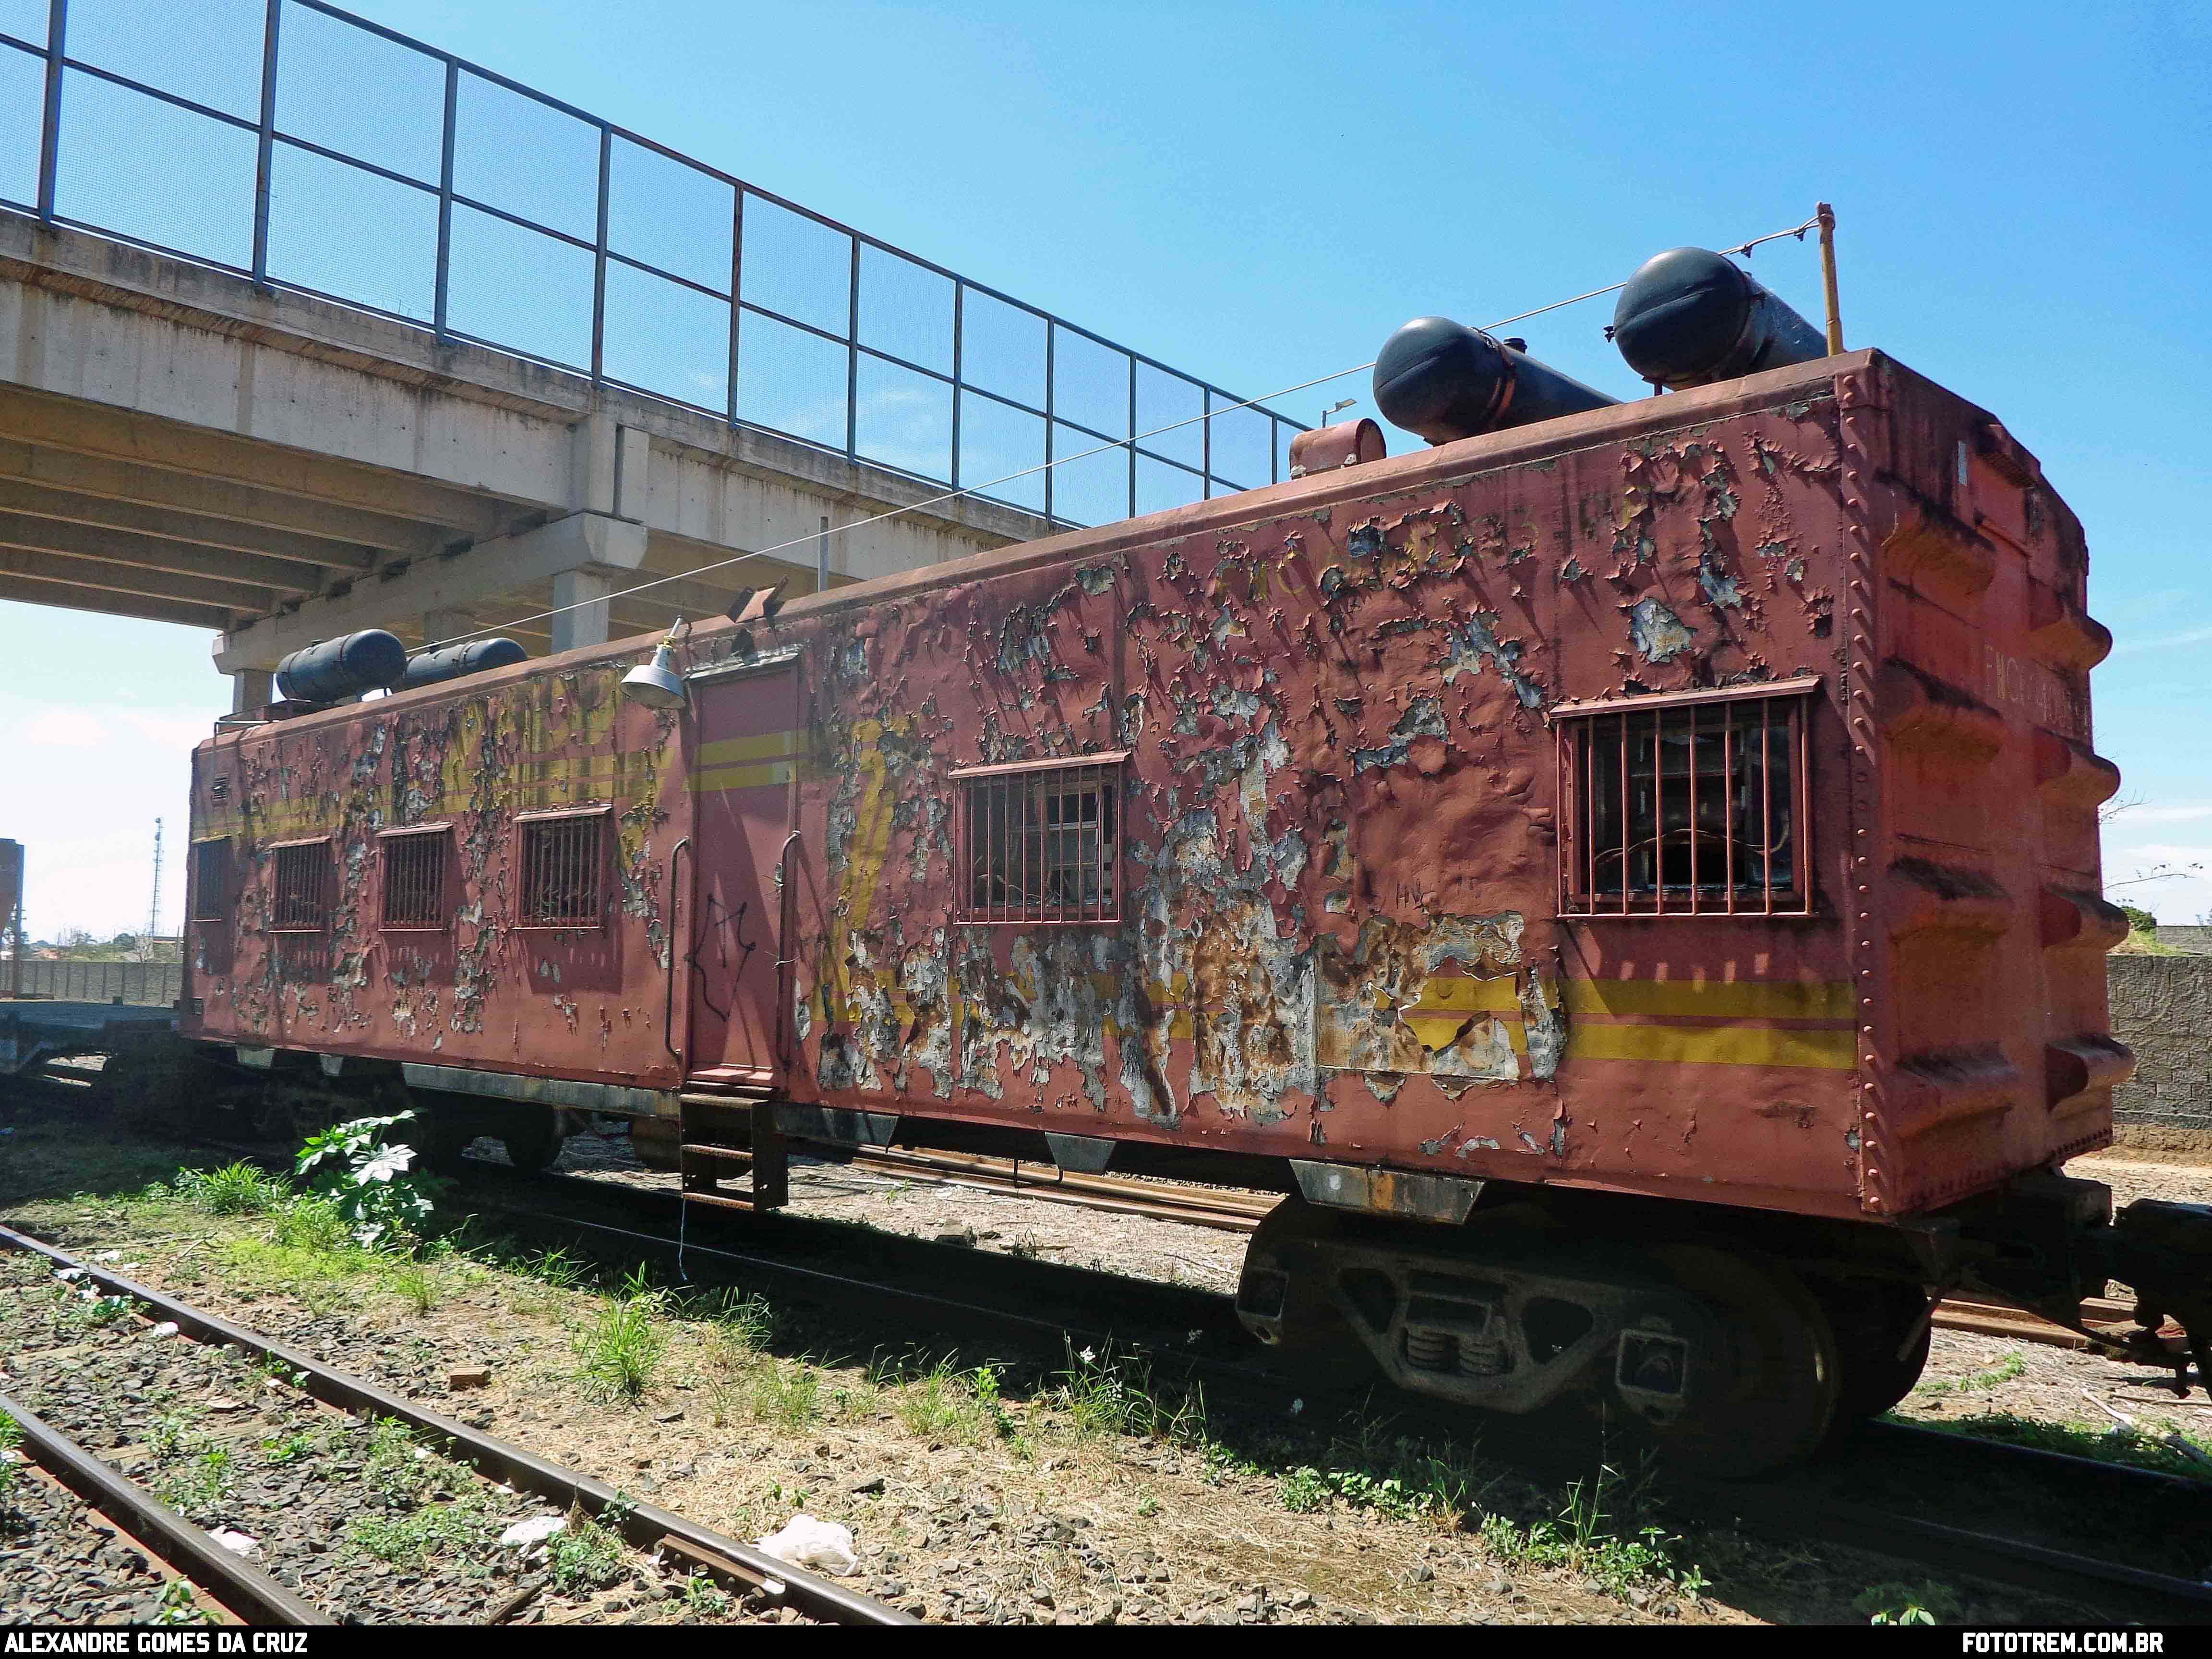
(1728, 803)
(996, 886)
(1800, 828)
(1694, 890)
(1766, 813)
(1620, 721)
(1658, 815)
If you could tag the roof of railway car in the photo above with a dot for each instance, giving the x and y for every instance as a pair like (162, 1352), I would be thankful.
(1415, 470)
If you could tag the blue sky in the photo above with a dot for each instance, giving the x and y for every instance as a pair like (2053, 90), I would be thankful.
(1260, 193)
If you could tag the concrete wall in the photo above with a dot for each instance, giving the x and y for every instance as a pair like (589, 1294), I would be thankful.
(2162, 1009)
(2191, 937)
(150, 984)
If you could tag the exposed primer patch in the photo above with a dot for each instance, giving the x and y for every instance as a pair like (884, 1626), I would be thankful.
(1423, 717)
(1658, 632)
(1467, 646)
(1544, 1021)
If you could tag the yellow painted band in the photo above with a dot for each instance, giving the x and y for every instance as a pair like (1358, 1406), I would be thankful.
(1715, 1045)
(741, 777)
(763, 745)
(1752, 999)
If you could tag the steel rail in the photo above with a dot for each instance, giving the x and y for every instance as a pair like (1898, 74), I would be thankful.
(236, 1582)
(646, 1525)
(1236, 1212)
(1880, 1531)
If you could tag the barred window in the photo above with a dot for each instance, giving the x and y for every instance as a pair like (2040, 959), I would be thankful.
(561, 871)
(301, 901)
(1685, 805)
(211, 880)
(415, 877)
(1041, 844)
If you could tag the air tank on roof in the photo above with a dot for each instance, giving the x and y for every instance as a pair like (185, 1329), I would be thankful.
(454, 660)
(1689, 317)
(1447, 381)
(330, 670)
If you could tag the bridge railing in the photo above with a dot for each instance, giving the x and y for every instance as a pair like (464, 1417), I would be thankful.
(308, 149)
(154, 984)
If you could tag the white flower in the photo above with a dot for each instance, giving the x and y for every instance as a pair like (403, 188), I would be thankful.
(1088, 1355)
(1296, 1405)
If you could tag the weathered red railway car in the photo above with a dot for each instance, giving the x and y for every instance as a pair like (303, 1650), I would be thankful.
(1633, 878)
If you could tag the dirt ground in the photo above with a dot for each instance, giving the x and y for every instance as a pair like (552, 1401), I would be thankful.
(1041, 1499)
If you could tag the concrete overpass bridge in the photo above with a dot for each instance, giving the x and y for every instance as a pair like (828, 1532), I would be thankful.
(307, 327)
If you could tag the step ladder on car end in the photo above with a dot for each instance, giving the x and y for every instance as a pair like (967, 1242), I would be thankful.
(729, 1133)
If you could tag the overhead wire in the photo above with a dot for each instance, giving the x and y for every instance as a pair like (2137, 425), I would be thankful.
(1744, 248)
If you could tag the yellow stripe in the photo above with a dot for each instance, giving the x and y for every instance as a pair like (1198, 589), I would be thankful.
(766, 746)
(741, 777)
(1715, 1045)
(1743, 999)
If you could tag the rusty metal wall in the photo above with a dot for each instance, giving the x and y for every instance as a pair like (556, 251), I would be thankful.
(1337, 933)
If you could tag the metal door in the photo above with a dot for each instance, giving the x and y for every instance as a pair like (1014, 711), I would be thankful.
(751, 736)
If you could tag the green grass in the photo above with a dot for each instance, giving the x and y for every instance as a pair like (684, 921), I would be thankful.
(1594, 1534)
(787, 1396)
(2139, 1448)
(294, 1449)
(586, 1555)
(200, 1487)
(623, 1348)
(2010, 1366)
(1906, 1604)
(235, 1189)
(461, 1527)
(702, 1599)
(392, 1463)
(420, 1286)
(1106, 1393)
(11, 1471)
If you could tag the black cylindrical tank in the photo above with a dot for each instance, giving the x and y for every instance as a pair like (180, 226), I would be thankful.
(329, 671)
(1690, 317)
(455, 660)
(1446, 381)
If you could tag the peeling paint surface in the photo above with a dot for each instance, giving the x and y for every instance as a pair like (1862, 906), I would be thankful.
(1325, 713)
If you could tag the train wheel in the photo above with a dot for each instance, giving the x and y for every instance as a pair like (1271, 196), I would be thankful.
(1282, 1300)
(1765, 1394)
(1881, 1344)
(533, 1143)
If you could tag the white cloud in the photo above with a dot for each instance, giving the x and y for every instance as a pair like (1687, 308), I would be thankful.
(65, 728)
(2164, 641)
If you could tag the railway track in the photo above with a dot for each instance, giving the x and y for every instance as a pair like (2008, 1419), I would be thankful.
(1238, 1211)
(1799, 1508)
(137, 1517)
(256, 1598)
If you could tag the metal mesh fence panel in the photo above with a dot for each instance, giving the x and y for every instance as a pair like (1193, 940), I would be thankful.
(797, 267)
(1001, 349)
(1094, 489)
(353, 91)
(792, 380)
(904, 419)
(154, 172)
(22, 113)
(521, 289)
(666, 338)
(1089, 385)
(1160, 486)
(571, 242)
(1164, 400)
(661, 212)
(527, 158)
(209, 52)
(351, 233)
(1242, 448)
(906, 309)
(26, 20)
(997, 441)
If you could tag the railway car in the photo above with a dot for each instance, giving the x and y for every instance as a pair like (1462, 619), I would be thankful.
(1630, 878)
